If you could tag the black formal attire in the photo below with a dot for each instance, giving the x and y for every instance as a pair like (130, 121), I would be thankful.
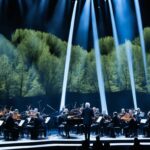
(114, 123)
(131, 128)
(87, 115)
(11, 129)
(146, 128)
(37, 124)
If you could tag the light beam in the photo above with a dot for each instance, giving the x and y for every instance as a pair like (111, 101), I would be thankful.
(130, 66)
(83, 28)
(68, 57)
(98, 61)
(140, 28)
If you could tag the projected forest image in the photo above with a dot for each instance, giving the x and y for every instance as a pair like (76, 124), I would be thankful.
(32, 64)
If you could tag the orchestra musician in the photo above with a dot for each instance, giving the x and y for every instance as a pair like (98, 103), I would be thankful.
(139, 115)
(115, 122)
(62, 119)
(16, 115)
(126, 116)
(127, 119)
(106, 119)
(87, 115)
(36, 123)
(122, 113)
(11, 128)
(66, 124)
(131, 124)
(146, 128)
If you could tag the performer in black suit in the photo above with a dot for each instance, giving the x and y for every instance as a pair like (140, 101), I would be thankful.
(115, 122)
(87, 115)
(146, 128)
(37, 123)
(11, 128)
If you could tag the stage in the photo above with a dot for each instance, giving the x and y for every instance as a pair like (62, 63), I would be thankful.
(55, 141)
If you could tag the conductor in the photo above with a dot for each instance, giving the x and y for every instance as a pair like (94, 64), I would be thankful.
(87, 115)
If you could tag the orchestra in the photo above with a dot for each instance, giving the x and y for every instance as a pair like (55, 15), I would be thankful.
(31, 122)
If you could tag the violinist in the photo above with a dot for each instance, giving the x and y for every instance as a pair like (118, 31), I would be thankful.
(63, 120)
(16, 115)
(11, 128)
(125, 116)
(115, 122)
(66, 123)
(106, 119)
(131, 127)
(96, 112)
(139, 115)
(146, 128)
(1, 113)
(122, 113)
(37, 124)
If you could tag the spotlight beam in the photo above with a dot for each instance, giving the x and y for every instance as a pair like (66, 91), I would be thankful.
(68, 57)
(130, 66)
(114, 31)
(98, 61)
(140, 28)
(83, 28)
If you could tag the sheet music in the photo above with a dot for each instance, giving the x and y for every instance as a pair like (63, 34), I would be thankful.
(1, 122)
(99, 119)
(47, 119)
(29, 119)
(143, 121)
(21, 123)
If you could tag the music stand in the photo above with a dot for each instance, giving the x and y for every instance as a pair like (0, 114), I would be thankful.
(29, 119)
(21, 123)
(47, 120)
(1, 122)
(99, 119)
(143, 121)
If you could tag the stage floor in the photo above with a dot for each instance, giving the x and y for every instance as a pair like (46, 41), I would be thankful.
(55, 141)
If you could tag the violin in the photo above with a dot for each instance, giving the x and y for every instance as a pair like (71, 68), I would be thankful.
(1, 113)
(16, 116)
(127, 117)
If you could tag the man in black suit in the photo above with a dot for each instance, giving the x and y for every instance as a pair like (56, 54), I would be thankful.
(115, 122)
(87, 115)
(11, 128)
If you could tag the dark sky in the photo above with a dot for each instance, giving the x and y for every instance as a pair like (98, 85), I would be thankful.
(30, 15)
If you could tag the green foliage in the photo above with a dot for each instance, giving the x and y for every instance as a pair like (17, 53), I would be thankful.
(107, 45)
(147, 39)
(33, 64)
(15, 75)
(89, 81)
